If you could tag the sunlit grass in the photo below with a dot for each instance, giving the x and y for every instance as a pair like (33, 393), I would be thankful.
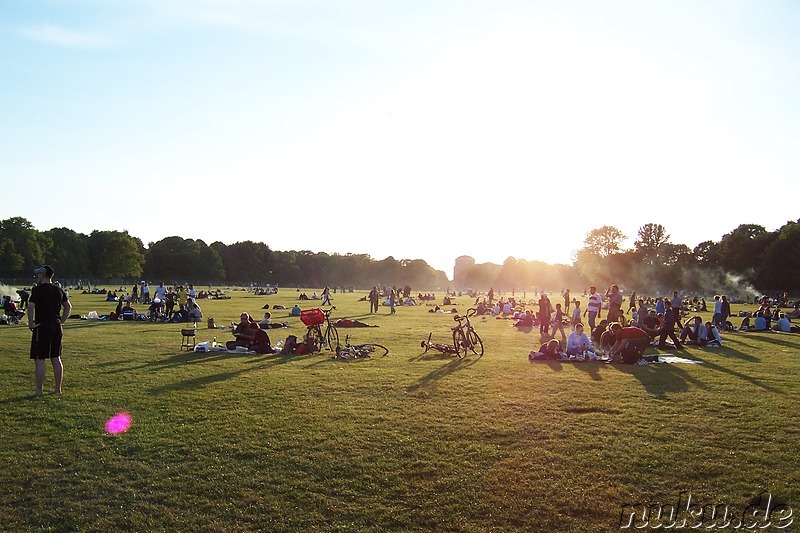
(413, 440)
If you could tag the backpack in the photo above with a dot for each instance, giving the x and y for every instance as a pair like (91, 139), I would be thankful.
(289, 345)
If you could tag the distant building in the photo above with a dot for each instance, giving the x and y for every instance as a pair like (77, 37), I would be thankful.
(463, 264)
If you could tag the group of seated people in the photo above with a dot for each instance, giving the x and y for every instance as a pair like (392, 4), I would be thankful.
(767, 319)
(158, 311)
(250, 335)
(12, 314)
(624, 344)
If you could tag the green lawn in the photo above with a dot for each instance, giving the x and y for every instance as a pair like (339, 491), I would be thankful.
(410, 441)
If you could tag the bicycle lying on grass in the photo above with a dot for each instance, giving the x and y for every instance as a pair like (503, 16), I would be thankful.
(464, 338)
(313, 319)
(360, 351)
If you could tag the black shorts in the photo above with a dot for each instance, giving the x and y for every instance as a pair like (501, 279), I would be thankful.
(46, 341)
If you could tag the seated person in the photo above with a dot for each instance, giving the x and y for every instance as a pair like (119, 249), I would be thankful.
(10, 309)
(525, 320)
(128, 312)
(446, 301)
(195, 313)
(782, 324)
(111, 297)
(181, 315)
(608, 339)
(631, 342)
(597, 334)
(549, 351)
(295, 311)
(713, 336)
(759, 324)
(244, 332)
(266, 322)
(578, 343)
(651, 324)
(314, 296)
(260, 343)
(695, 331)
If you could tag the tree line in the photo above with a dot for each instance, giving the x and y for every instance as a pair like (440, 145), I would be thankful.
(117, 255)
(749, 255)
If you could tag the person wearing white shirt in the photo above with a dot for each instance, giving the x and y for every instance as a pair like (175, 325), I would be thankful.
(594, 306)
(578, 342)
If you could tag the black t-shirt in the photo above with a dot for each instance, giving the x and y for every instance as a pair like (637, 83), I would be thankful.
(47, 299)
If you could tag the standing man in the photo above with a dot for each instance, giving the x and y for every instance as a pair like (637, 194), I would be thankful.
(373, 300)
(161, 291)
(677, 307)
(48, 309)
(614, 304)
(566, 301)
(392, 297)
(491, 295)
(593, 307)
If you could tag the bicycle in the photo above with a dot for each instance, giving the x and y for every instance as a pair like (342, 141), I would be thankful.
(464, 335)
(448, 349)
(359, 351)
(313, 319)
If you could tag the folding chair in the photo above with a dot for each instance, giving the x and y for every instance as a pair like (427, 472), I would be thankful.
(188, 339)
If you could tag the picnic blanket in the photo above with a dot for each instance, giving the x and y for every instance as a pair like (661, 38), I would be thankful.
(675, 359)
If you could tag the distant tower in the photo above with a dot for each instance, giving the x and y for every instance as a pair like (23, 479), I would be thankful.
(463, 264)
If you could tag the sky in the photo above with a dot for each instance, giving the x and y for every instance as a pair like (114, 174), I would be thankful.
(418, 129)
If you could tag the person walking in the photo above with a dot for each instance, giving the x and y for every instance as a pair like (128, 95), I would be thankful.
(373, 300)
(48, 310)
(326, 296)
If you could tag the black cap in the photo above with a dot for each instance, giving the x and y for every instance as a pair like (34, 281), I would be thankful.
(44, 269)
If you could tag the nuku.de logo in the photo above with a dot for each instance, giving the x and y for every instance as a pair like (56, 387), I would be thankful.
(759, 513)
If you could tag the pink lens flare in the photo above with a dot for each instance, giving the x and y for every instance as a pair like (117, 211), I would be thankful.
(119, 423)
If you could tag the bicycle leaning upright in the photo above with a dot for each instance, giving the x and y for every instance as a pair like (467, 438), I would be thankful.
(464, 335)
(313, 319)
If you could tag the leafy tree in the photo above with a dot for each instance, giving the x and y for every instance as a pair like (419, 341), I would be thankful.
(780, 266)
(69, 253)
(604, 241)
(115, 254)
(739, 250)
(22, 247)
(651, 239)
(176, 258)
(245, 262)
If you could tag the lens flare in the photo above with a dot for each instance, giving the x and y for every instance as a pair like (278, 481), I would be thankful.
(119, 423)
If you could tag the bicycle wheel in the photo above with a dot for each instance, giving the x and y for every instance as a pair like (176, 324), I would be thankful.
(332, 337)
(373, 350)
(315, 334)
(460, 343)
(475, 342)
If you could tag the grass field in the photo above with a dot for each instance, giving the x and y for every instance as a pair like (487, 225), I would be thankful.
(410, 441)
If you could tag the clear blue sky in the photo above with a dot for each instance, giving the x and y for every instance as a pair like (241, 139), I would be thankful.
(381, 128)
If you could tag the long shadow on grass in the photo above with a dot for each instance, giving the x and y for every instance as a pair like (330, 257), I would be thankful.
(183, 358)
(660, 379)
(196, 382)
(732, 352)
(720, 368)
(443, 371)
(774, 337)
